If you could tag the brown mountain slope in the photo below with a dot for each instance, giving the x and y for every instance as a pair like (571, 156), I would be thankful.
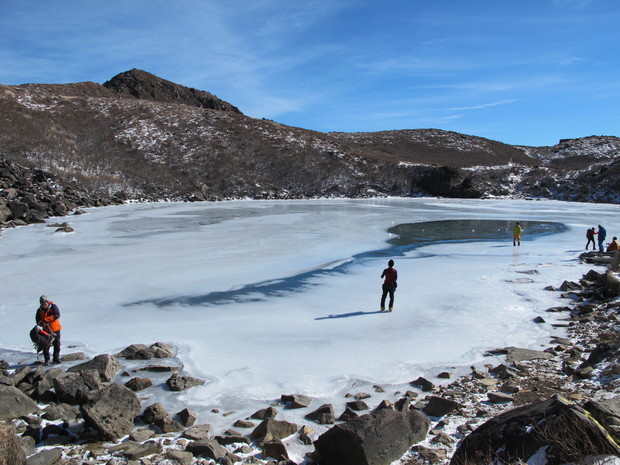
(145, 137)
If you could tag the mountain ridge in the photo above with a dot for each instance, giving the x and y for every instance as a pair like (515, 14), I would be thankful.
(143, 137)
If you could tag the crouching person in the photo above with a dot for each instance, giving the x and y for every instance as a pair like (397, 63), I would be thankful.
(48, 317)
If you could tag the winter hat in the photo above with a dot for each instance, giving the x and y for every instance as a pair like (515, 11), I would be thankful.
(43, 298)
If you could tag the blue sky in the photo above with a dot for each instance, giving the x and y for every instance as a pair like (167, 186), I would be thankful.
(525, 72)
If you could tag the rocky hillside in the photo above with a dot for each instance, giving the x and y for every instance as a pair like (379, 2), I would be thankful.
(139, 136)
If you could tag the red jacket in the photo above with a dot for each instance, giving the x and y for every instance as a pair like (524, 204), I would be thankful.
(391, 275)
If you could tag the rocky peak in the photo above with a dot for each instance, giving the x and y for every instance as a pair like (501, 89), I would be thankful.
(139, 84)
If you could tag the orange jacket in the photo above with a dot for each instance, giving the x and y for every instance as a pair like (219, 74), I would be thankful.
(49, 317)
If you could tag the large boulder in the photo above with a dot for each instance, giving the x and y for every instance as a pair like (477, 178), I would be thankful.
(14, 403)
(564, 432)
(18, 209)
(208, 448)
(273, 429)
(142, 352)
(11, 452)
(136, 352)
(162, 350)
(106, 365)
(156, 414)
(111, 411)
(440, 406)
(377, 438)
(275, 449)
(296, 400)
(75, 388)
(323, 415)
(178, 382)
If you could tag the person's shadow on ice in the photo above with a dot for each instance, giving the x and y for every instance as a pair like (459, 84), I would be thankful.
(347, 315)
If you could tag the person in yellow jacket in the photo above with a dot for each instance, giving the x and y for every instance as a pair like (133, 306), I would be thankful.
(613, 245)
(516, 234)
(48, 317)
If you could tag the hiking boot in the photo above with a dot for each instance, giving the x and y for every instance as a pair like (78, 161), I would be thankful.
(382, 309)
(391, 309)
(56, 362)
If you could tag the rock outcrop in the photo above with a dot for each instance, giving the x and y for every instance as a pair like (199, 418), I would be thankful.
(139, 84)
(564, 432)
(32, 195)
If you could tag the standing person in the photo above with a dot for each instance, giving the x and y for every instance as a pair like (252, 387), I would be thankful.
(590, 235)
(47, 316)
(516, 234)
(613, 245)
(389, 284)
(602, 235)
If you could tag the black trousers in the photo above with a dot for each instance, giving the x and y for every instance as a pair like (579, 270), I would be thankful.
(46, 351)
(387, 289)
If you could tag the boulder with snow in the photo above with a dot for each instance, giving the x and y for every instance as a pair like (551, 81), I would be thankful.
(111, 411)
(377, 438)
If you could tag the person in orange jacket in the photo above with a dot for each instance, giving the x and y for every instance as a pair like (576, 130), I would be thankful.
(48, 317)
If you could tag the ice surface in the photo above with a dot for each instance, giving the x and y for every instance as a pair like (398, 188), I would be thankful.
(265, 298)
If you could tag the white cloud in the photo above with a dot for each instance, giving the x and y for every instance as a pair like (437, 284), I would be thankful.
(484, 105)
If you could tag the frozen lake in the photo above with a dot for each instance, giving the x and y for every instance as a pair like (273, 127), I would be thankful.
(265, 298)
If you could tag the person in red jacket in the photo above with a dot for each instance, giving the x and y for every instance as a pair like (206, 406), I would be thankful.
(48, 318)
(389, 284)
(590, 236)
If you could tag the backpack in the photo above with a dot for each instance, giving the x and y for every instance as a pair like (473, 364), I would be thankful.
(41, 339)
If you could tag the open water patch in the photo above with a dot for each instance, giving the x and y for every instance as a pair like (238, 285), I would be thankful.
(412, 235)
(409, 236)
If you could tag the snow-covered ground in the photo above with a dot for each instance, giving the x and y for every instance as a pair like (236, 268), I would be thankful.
(264, 298)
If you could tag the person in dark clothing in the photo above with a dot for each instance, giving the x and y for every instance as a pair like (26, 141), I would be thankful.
(48, 318)
(389, 285)
(590, 236)
(602, 235)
